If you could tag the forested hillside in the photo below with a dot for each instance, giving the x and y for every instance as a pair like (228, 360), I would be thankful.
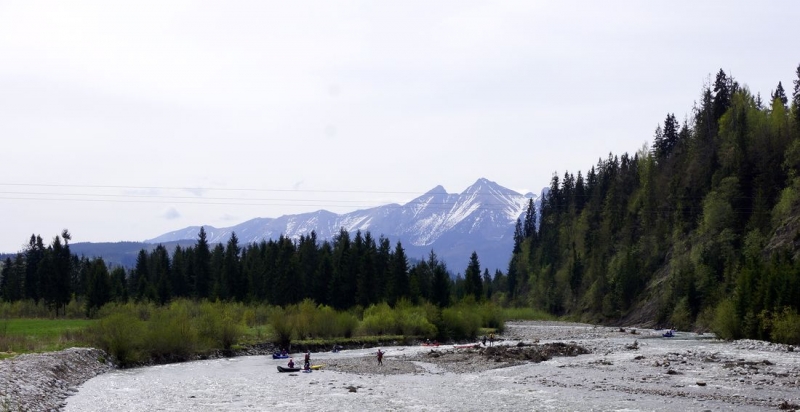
(699, 230)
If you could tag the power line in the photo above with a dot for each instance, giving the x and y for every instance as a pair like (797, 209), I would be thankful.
(188, 188)
(241, 201)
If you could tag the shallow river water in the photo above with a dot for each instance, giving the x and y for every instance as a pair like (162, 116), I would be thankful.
(611, 378)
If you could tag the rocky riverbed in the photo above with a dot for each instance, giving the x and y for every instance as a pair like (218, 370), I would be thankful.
(638, 368)
(533, 366)
(41, 382)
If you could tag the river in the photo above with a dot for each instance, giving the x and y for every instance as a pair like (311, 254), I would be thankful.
(686, 373)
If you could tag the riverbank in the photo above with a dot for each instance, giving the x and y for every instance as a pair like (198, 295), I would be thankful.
(629, 368)
(42, 381)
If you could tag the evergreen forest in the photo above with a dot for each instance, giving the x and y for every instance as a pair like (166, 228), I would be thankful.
(341, 273)
(699, 230)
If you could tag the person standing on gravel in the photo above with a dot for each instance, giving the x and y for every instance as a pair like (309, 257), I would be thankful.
(380, 357)
(491, 339)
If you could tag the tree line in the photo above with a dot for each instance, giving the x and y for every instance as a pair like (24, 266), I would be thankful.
(343, 272)
(700, 227)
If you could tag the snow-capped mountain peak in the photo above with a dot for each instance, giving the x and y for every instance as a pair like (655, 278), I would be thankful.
(479, 219)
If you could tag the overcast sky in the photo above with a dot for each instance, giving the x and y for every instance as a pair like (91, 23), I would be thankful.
(126, 120)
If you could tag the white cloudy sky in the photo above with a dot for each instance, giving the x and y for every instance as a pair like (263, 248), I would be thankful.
(125, 120)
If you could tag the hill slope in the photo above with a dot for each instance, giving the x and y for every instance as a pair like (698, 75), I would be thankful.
(699, 231)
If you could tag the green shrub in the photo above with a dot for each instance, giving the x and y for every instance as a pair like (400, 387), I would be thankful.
(281, 327)
(726, 323)
(378, 320)
(324, 322)
(526, 313)
(303, 317)
(170, 333)
(218, 325)
(681, 317)
(786, 327)
(120, 335)
(346, 325)
(492, 316)
(460, 322)
(24, 309)
(411, 321)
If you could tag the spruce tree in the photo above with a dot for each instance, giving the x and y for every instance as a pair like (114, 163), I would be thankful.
(201, 276)
(440, 289)
(139, 277)
(160, 273)
(796, 100)
(400, 286)
(529, 226)
(512, 276)
(64, 260)
(98, 287)
(473, 285)
(219, 289)
(12, 279)
(487, 284)
(580, 193)
(780, 94)
(119, 292)
(722, 95)
(233, 272)
(519, 237)
(323, 275)
(33, 256)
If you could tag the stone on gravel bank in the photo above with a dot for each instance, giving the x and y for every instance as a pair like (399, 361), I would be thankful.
(42, 381)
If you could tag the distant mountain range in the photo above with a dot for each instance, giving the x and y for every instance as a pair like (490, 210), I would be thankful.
(479, 219)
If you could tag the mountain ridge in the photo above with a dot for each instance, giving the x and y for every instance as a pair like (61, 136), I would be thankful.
(480, 219)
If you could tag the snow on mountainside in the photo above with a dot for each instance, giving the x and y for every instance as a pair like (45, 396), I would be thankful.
(480, 219)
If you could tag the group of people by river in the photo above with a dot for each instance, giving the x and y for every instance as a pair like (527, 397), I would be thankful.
(306, 362)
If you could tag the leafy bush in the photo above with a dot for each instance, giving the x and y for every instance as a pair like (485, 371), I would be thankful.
(171, 332)
(282, 326)
(460, 322)
(120, 335)
(411, 321)
(726, 323)
(378, 320)
(525, 314)
(492, 316)
(681, 317)
(786, 327)
(218, 325)
(346, 325)
(24, 309)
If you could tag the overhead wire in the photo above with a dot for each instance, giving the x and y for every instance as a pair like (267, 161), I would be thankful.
(206, 200)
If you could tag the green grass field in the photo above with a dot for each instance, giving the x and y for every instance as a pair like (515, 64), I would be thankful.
(40, 335)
